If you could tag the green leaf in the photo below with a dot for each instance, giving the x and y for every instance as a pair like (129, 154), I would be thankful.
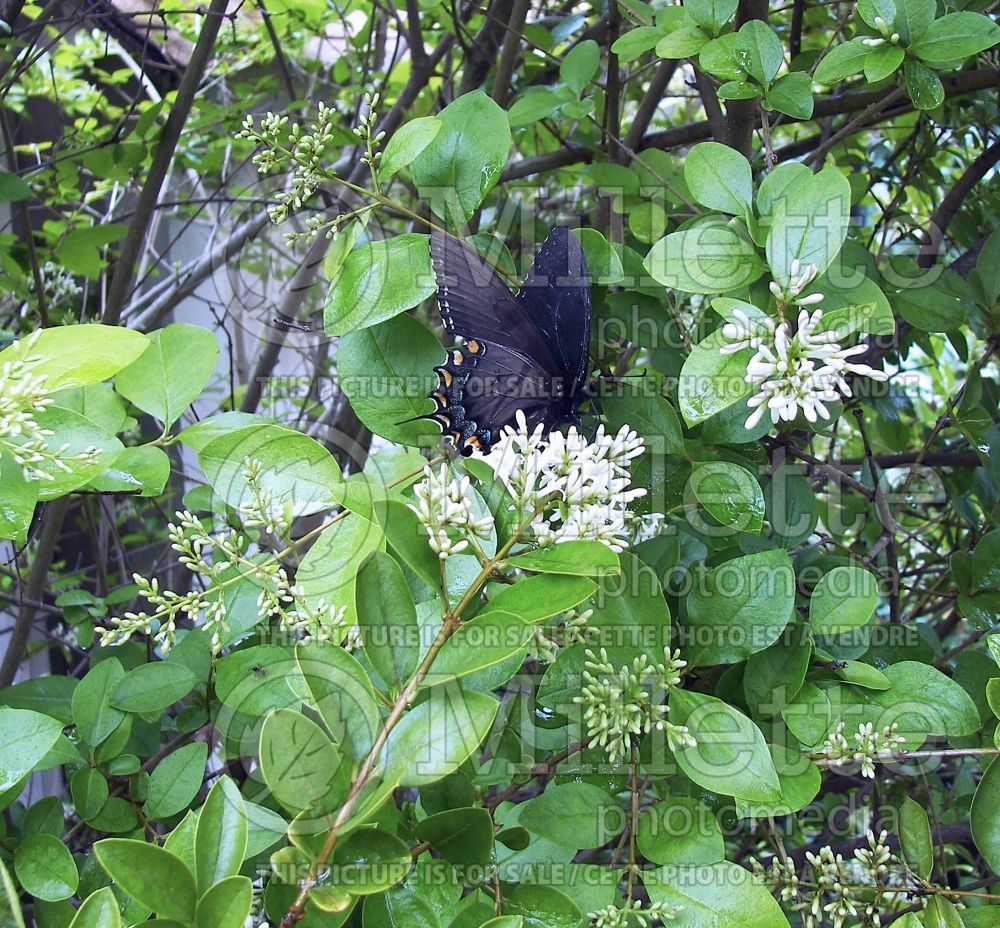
(540, 906)
(46, 868)
(915, 838)
(809, 223)
(542, 596)
(883, 61)
(985, 816)
(636, 42)
(227, 904)
(759, 51)
(386, 371)
(682, 43)
(843, 599)
(913, 18)
(730, 494)
(791, 94)
(485, 641)
(170, 375)
(809, 715)
(575, 815)
(153, 687)
(99, 910)
(775, 675)
(731, 756)
(461, 164)
(711, 381)
(680, 830)
(923, 85)
(435, 737)
(738, 90)
(89, 791)
(13, 188)
(711, 15)
(77, 434)
(175, 781)
(129, 863)
(604, 266)
(719, 177)
(739, 608)
(923, 701)
(579, 558)
(143, 471)
(299, 472)
(799, 779)
(715, 895)
(379, 280)
(388, 620)
(49, 695)
(19, 498)
(408, 141)
(341, 691)
(221, 839)
(534, 104)
(708, 258)
(77, 355)
(842, 61)
(330, 568)
(931, 309)
(302, 767)
(719, 59)
(25, 738)
(369, 861)
(461, 836)
(578, 67)
(93, 713)
(80, 250)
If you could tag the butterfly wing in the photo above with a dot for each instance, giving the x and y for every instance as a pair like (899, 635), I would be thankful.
(556, 294)
(507, 365)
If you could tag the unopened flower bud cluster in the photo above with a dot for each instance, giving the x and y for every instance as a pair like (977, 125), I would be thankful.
(623, 703)
(832, 890)
(23, 395)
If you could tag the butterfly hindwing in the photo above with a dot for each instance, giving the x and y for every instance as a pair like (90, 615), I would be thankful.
(556, 293)
(522, 354)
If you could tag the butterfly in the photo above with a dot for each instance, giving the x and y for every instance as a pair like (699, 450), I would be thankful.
(527, 352)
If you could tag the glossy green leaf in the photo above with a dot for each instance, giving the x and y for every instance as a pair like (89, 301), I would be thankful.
(221, 839)
(711, 257)
(130, 863)
(25, 738)
(152, 687)
(388, 619)
(462, 163)
(579, 558)
(719, 178)
(175, 781)
(171, 373)
(226, 904)
(45, 868)
(379, 280)
(576, 815)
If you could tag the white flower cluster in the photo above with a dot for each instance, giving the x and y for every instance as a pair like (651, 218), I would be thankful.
(444, 504)
(22, 396)
(835, 890)
(630, 701)
(302, 150)
(800, 371)
(566, 487)
(634, 913)
(869, 746)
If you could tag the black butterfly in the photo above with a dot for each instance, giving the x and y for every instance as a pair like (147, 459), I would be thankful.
(526, 353)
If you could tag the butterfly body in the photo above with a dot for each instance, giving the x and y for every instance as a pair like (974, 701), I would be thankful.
(523, 353)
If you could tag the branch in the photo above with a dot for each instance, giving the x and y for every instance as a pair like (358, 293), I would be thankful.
(33, 590)
(172, 129)
(839, 104)
(509, 53)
